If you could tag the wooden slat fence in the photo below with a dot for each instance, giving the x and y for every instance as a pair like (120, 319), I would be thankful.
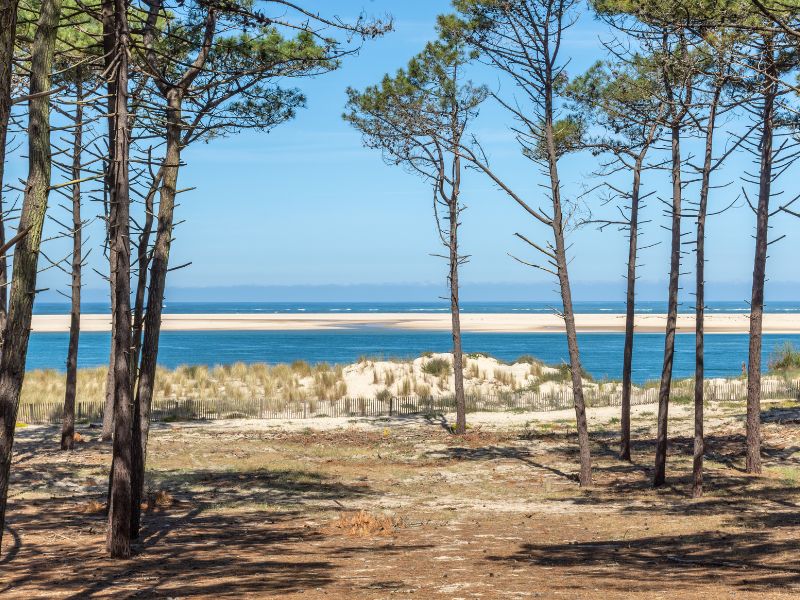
(212, 409)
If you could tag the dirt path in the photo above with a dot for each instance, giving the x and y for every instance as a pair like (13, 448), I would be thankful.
(243, 510)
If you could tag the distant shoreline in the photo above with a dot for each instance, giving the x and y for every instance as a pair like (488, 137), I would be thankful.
(736, 323)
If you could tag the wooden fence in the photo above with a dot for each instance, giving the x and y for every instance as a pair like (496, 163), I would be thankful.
(526, 401)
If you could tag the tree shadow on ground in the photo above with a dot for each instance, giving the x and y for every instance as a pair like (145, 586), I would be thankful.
(729, 490)
(225, 533)
(751, 561)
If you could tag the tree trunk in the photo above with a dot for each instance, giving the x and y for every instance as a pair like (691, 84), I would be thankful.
(68, 423)
(8, 27)
(26, 252)
(560, 257)
(672, 310)
(119, 509)
(759, 265)
(108, 408)
(699, 367)
(155, 300)
(630, 306)
(107, 17)
(141, 283)
(458, 359)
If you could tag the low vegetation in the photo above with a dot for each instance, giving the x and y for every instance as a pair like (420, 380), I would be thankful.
(785, 360)
(430, 375)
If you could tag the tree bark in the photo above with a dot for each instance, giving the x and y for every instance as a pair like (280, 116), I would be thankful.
(753, 427)
(455, 310)
(173, 94)
(119, 509)
(68, 423)
(8, 27)
(141, 283)
(699, 368)
(159, 267)
(108, 408)
(576, 370)
(672, 310)
(107, 16)
(26, 252)
(630, 316)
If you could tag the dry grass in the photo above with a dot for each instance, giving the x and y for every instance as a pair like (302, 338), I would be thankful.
(92, 507)
(281, 383)
(284, 383)
(364, 524)
(300, 386)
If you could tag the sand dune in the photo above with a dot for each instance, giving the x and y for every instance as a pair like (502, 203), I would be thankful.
(498, 323)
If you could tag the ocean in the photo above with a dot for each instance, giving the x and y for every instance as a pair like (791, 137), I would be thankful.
(601, 352)
(600, 307)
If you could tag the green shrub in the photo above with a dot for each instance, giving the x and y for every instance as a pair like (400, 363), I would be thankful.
(438, 367)
(527, 359)
(785, 358)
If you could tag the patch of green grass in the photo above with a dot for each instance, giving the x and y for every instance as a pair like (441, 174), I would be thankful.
(682, 399)
(789, 475)
(557, 376)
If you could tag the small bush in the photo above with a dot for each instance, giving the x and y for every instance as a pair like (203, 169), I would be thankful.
(301, 367)
(527, 359)
(438, 367)
(562, 374)
(558, 376)
(785, 358)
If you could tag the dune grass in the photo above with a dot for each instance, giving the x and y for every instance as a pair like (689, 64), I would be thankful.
(285, 383)
(785, 360)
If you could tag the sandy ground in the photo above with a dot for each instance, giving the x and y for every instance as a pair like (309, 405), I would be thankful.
(498, 323)
(485, 421)
(248, 509)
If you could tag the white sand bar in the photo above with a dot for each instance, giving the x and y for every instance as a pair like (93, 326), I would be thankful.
(496, 323)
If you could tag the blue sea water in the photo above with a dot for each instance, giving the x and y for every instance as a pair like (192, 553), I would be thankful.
(601, 352)
(413, 307)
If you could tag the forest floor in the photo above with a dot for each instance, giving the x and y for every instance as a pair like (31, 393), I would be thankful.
(249, 510)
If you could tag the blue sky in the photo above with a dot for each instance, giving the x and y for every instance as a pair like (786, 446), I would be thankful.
(307, 204)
